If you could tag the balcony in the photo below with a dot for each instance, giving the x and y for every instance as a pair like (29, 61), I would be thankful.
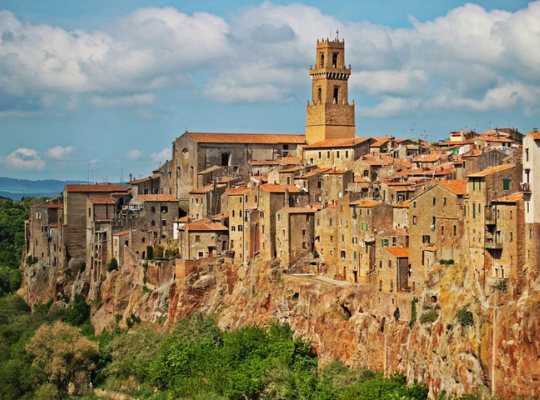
(490, 244)
(490, 216)
(525, 187)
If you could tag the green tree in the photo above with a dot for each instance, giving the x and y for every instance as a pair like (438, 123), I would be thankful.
(78, 312)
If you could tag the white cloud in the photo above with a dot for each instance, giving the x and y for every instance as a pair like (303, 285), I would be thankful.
(466, 57)
(162, 156)
(134, 154)
(24, 159)
(59, 152)
(123, 101)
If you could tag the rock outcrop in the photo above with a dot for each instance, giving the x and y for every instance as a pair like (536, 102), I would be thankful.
(495, 352)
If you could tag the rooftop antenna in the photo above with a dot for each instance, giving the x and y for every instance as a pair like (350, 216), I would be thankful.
(88, 174)
(337, 35)
(122, 175)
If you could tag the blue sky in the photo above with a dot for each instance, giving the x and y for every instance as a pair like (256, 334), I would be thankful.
(100, 89)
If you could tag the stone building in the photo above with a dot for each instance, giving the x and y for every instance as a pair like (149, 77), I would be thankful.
(44, 233)
(335, 183)
(155, 215)
(294, 233)
(336, 153)
(202, 239)
(393, 269)
(429, 212)
(194, 153)
(206, 201)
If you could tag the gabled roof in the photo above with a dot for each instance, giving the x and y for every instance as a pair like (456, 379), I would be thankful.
(511, 198)
(292, 169)
(535, 135)
(157, 197)
(262, 163)
(365, 203)
(491, 170)
(95, 188)
(332, 143)
(398, 252)
(273, 188)
(101, 200)
(254, 138)
(315, 172)
(237, 191)
(205, 226)
(458, 186)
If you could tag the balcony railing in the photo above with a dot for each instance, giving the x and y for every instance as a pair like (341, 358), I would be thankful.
(492, 245)
(525, 187)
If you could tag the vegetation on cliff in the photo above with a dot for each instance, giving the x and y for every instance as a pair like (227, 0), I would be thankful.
(12, 216)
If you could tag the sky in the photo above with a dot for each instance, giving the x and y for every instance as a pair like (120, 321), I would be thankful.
(98, 90)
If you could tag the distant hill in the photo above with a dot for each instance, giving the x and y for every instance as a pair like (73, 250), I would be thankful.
(16, 189)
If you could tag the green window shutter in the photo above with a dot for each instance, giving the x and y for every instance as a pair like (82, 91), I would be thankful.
(506, 184)
(473, 211)
(473, 185)
(354, 254)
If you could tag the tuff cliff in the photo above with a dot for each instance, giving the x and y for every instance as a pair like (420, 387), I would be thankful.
(356, 323)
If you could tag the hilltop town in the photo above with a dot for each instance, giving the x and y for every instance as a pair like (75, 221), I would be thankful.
(390, 218)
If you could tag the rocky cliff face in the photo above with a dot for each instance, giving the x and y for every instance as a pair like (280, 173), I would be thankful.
(364, 328)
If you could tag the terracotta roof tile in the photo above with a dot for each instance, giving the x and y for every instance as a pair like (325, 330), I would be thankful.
(237, 191)
(492, 170)
(292, 169)
(511, 198)
(261, 163)
(210, 170)
(57, 205)
(101, 200)
(336, 171)
(96, 188)
(315, 172)
(331, 143)
(535, 135)
(365, 203)
(290, 160)
(398, 252)
(273, 188)
(157, 197)
(259, 138)
(121, 233)
(202, 226)
(458, 186)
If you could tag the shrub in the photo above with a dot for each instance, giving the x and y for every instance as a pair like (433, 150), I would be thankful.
(82, 266)
(413, 312)
(112, 265)
(158, 251)
(465, 317)
(78, 313)
(31, 260)
(149, 252)
(501, 285)
(429, 317)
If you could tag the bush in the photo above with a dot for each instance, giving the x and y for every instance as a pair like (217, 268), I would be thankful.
(149, 252)
(501, 285)
(31, 260)
(429, 317)
(78, 313)
(413, 312)
(465, 317)
(158, 251)
(112, 265)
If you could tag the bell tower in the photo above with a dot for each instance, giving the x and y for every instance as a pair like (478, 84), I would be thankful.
(330, 116)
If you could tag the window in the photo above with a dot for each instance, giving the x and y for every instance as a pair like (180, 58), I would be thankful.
(239, 228)
(384, 242)
(346, 153)
(330, 221)
(342, 254)
(506, 184)
(233, 228)
(389, 264)
(328, 155)
(197, 238)
(153, 223)
(394, 241)
(320, 155)
(163, 222)
(426, 239)
(414, 204)
(331, 239)
(154, 208)
(414, 220)
(225, 159)
(304, 245)
(526, 154)
(511, 236)
(303, 232)
(442, 230)
(444, 201)
(434, 201)
(337, 154)
(368, 211)
(262, 228)
(342, 238)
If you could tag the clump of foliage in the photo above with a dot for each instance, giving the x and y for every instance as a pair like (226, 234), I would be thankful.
(112, 265)
(149, 252)
(78, 313)
(447, 262)
(429, 317)
(465, 317)
(501, 285)
(413, 312)
(158, 251)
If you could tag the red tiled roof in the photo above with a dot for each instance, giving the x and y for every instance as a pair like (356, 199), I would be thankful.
(202, 226)
(398, 252)
(53, 225)
(535, 135)
(315, 172)
(292, 169)
(365, 203)
(57, 205)
(330, 143)
(259, 138)
(492, 170)
(121, 233)
(336, 171)
(96, 188)
(458, 186)
(273, 188)
(511, 198)
(209, 170)
(428, 158)
(261, 163)
(101, 200)
(237, 191)
(202, 190)
(290, 160)
(157, 197)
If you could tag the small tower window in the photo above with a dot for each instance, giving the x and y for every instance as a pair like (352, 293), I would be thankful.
(336, 94)
(319, 94)
(322, 60)
(334, 60)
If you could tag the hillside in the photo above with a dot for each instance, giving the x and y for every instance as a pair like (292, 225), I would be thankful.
(16, 189)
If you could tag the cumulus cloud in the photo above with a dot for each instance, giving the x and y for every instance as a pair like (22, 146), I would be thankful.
(134, 154)
(391, 107)
(24, 159)
(162, 156)
(59, 152)
(469, 58)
